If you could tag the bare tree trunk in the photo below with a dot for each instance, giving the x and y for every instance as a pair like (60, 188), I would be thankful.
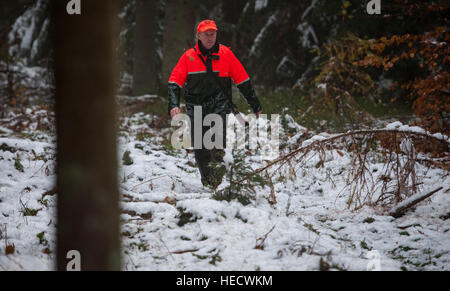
(145, 70)
(85, 74)
(179, 33)
(232, 11)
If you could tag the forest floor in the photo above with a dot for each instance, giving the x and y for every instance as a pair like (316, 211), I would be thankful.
(169, 221)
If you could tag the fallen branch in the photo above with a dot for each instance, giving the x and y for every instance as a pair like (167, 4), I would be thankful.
(184, 251)
(397, 150)
(324, 141)
(401, 208)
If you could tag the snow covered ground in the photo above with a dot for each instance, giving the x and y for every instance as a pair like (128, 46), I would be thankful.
(170, 222)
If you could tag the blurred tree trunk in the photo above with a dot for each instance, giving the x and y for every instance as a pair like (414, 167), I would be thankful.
(179, 33)
(145, 68)
(85, 75)
(232, 10)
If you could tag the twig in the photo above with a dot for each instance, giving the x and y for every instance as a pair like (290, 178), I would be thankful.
(164, 244)
(185, 251)
(149, 180)
(260, 241)
(272, 190)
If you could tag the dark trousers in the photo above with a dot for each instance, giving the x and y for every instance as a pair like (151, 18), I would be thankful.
(204, 156)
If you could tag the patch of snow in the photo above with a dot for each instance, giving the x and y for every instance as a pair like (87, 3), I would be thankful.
(261, 4)
(397, 125)
(24, 32)
(261, 33)
(309, 222)
(228, 158)
(407, 201)
(309, 8)
(306, 32)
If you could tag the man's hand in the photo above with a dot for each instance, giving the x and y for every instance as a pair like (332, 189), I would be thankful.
(257, 114)
(174, 111)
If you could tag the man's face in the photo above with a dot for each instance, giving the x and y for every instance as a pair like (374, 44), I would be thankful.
(208, 38)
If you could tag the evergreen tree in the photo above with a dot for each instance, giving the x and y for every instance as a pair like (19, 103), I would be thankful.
(240, 177)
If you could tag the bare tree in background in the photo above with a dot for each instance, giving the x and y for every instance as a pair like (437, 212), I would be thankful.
(179, 32)
(85, 74)
(232, 12)
(145, 70)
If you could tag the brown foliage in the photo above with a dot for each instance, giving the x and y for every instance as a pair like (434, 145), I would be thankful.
(19, 119)
(10, 249)
(340, 78)
(430, 93)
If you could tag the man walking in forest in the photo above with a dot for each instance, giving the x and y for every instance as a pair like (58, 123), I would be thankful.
(205, 72)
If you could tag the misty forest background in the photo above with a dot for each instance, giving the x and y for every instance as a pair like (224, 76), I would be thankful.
(325, 66)
(329, 63)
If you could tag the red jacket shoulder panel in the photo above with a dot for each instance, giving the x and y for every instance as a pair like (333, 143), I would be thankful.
(223, 49)
(237, 71)
(179, 72)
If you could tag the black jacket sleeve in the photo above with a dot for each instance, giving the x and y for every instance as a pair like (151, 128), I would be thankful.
(248, 92)
(174, 96)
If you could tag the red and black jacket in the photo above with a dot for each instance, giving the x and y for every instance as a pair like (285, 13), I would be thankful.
(202, 88)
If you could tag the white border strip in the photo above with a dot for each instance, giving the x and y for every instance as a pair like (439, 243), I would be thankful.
(199, 72)
(243, 81)
(175, 84)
